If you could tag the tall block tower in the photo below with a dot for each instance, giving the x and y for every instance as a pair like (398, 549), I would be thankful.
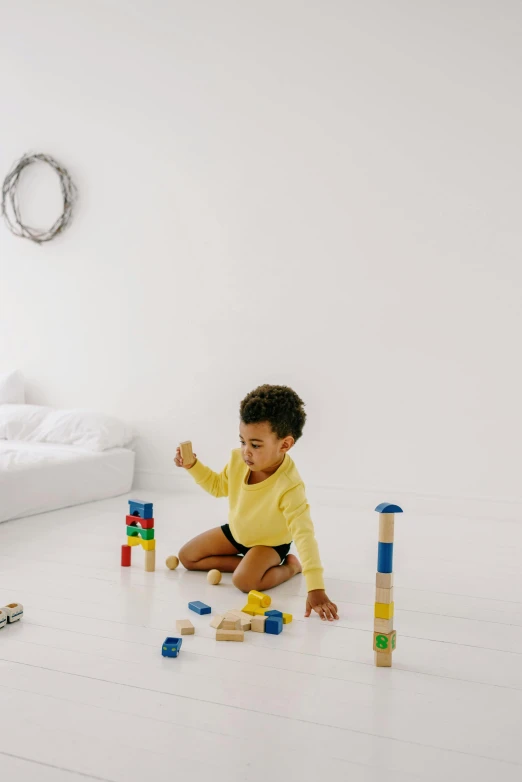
(140, 531)
(384, 636)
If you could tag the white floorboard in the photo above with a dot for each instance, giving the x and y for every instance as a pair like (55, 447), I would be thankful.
(86, 694)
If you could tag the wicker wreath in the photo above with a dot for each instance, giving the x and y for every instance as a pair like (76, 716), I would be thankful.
(11, 209)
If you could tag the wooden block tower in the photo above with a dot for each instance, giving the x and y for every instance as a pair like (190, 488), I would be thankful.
(140, 530)
(384, 636)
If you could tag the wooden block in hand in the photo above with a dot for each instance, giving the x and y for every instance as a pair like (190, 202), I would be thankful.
(230, 635)
(186, 453)
(184, 627)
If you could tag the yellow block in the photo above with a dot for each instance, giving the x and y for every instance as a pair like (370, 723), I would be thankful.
(259, 598)
(148, 545)
(287, 618)
(384, 610)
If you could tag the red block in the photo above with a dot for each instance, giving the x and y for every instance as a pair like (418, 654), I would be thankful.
(135, 521)
(125, 555)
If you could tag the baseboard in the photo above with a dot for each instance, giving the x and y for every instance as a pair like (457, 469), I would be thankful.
(500, 509)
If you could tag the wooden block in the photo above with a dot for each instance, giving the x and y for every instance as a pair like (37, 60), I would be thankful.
(150, 560)
(186, 453)
(384, 580)
(258, 624)
(253, 610)
(384, 610)
(259, 598)
(287, 618)
(385, 642)
(386, 525)
(184, 627)
(230, 635)
(383, 625)
(244, 618)
(383, 659)
(230, 622)
(215, 622)
(383, 595)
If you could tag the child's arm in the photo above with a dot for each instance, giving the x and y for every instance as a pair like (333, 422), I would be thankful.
(296, 510)
(213, 482)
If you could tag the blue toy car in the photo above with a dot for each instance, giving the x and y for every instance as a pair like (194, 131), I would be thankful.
(171, 647)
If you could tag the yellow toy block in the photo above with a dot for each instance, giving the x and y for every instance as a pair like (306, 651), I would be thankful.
(287, 618)
(384, 610)
(259, 599)
(148, 545)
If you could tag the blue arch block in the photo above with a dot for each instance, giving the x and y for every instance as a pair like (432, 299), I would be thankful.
(387, 507)
(385, 558)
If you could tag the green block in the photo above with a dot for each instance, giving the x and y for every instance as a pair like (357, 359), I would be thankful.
(145, 534)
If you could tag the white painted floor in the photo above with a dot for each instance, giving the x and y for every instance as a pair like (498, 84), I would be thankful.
(86, 694)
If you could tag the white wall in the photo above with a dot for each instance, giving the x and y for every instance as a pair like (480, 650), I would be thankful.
(320, 194)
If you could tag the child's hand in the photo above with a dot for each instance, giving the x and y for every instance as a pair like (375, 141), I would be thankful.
(178, 461)
(319, 601)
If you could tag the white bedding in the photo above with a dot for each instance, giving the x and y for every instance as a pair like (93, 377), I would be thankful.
(38, 477)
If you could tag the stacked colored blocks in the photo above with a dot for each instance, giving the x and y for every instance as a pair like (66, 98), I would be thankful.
(384, 636)
(140, 532)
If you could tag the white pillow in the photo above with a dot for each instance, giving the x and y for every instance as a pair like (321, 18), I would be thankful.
(18, 422)
(12, 388)
(85, 428)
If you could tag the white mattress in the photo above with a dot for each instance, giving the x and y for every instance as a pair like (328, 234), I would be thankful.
(37, 477)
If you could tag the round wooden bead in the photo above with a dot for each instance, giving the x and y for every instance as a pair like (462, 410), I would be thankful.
(213, 577)
(172, 562)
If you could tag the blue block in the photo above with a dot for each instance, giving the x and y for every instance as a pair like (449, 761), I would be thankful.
(273, 612)
(143, 510)
(388, 507)
(199, 608)
(274, 625)
(385, 558)
(171, 647)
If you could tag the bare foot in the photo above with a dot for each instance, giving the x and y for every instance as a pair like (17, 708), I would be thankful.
(294, 564)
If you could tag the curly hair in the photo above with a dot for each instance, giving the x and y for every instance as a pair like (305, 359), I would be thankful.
(278, 405)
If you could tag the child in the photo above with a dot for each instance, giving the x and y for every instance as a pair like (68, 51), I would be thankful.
(267, 504)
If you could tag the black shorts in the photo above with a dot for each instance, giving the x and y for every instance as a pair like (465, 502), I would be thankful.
(282, 550)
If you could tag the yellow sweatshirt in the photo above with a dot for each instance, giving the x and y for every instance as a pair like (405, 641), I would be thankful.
(269, 513)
